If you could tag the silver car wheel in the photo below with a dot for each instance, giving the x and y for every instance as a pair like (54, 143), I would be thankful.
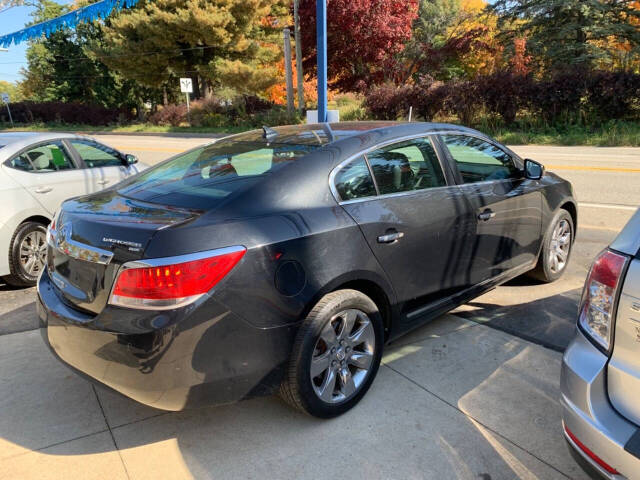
(560, 246)
(33, 253)
(343, 356)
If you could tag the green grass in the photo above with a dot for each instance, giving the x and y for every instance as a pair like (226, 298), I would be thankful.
(611, 134)
(133, 128)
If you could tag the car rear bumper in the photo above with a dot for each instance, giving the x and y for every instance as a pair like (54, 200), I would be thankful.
(201, 354)
(588, 414)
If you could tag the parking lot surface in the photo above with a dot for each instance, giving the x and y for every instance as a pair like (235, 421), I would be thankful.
(472, 395)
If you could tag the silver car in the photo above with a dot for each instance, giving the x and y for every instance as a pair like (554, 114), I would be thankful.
(600, 380)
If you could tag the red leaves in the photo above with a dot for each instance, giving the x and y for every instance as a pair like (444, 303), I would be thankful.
(363, 37)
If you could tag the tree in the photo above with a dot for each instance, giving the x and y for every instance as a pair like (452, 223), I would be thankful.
(364, 36)
(62, 67)
(218, 43)
(452, 39)
(12, 89)
(563, 33)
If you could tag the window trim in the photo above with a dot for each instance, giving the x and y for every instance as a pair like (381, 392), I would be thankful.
(432, 136)
(72, 159)
(454, 165)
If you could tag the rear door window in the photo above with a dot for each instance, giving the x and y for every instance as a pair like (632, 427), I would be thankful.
(480, 161)
(354, 181)
(50, 157)
(202, 177)
(407, 166)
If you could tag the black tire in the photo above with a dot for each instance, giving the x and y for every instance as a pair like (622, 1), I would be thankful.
(297, 388)
(19, 276)
(544, 270)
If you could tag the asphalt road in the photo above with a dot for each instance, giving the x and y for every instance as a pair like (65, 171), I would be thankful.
(606, 182)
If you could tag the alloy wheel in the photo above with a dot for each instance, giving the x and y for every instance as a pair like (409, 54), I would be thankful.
(560, 246)
(33, 253)
(343, 356)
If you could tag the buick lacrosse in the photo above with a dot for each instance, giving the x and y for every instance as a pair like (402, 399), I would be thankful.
(283, 260)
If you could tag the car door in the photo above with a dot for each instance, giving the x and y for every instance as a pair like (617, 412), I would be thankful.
(104, 164)
(417, 225)
(507, 206)
(48, 172)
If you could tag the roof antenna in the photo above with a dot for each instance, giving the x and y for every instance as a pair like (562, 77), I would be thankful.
(268, 133)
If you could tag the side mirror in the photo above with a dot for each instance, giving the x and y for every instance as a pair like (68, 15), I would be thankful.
(130, 159)
(533, 170)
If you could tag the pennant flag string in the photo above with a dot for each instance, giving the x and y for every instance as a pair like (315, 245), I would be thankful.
(95, 11)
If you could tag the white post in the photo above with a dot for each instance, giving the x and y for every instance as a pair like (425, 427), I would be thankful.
(410, 113)
(188, 109)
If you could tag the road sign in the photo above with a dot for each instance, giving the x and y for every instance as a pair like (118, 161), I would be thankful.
(4, 97)
(186, 86)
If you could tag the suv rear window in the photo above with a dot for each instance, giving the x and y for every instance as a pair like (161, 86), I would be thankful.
(201, 178)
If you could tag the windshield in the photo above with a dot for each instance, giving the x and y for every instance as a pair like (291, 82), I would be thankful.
(202, 178)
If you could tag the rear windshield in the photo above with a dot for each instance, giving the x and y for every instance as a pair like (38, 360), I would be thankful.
(204, 177)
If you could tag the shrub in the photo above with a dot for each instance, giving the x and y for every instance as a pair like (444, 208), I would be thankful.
(388, 102)
(613, 95)
(462, 99)
(59, 112)
(427, 97)
(170, 114)
(505, 94)
(559, 98)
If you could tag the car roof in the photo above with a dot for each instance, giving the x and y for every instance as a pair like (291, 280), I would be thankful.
(12, 142)
(328, 133)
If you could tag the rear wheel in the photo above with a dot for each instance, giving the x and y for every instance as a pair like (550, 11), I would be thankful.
(336, 355)
(27, 254)
(556, 248)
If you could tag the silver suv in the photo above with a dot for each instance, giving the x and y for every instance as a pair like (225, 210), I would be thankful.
(601, 368)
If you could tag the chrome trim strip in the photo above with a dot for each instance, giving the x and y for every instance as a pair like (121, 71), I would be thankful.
(499, 279)
(77, 250)
(159, 262)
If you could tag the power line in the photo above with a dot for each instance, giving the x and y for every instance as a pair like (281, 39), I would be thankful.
(105, 76)
(126, 55)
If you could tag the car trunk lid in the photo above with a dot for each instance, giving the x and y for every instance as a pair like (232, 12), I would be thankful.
(94, 236)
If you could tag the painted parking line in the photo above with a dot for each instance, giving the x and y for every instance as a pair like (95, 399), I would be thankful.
(592, 169)
(608, 206)
(599, 227)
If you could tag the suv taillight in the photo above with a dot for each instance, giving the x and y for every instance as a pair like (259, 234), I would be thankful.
(161, 285)
(599, 297)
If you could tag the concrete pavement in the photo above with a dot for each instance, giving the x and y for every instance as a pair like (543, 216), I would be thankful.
(454, 399)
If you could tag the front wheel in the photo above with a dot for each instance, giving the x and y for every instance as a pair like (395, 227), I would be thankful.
(335, 356)
(556, 248)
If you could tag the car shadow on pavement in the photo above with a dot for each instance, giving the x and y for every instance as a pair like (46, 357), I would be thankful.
(549, 321)
(446, 405)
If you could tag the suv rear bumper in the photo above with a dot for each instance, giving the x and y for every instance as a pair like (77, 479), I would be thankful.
(588, 414)
(198, 355)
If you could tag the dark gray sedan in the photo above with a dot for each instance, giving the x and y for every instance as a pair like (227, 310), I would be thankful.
(286, 258)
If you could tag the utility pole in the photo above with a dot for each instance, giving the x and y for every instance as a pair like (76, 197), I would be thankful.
(288, 71)
(299, 71)
(321, 20)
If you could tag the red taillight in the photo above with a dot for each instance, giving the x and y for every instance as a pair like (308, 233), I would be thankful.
(174, 284)
(599, 295)
(608, 468)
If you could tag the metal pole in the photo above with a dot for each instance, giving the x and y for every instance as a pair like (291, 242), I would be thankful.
(299, 71)
(10, 117)
(188, 109)
(321, 20)
(288, 71)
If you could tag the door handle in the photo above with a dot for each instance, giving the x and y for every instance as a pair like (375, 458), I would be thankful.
(390, 237)
(103, 182)
(43, 189)
(487, 215)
